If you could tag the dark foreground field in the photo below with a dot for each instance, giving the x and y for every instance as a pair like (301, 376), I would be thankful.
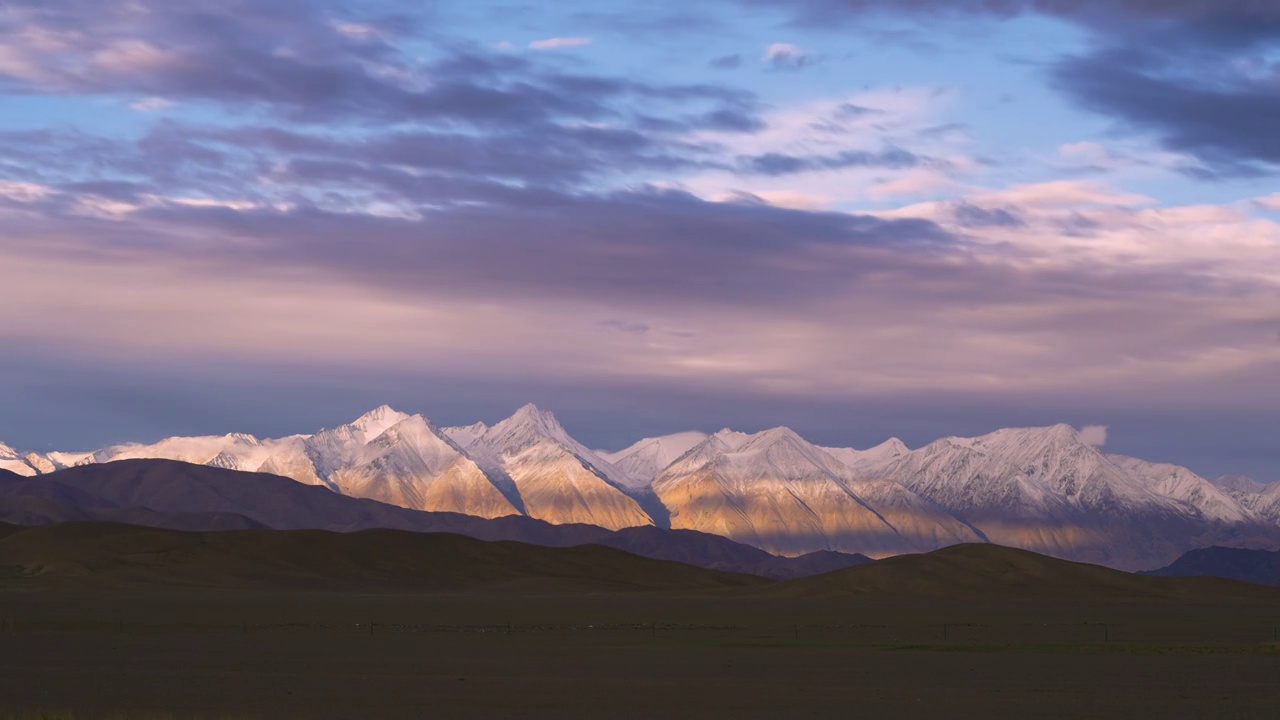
(309, 655)
(124, 626)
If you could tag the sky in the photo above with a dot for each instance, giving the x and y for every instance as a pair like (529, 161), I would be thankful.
(858, 218)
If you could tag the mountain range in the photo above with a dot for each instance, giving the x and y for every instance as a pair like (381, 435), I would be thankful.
(1042, 489)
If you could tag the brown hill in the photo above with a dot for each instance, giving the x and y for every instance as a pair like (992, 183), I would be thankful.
(101, 555)
(993, 572)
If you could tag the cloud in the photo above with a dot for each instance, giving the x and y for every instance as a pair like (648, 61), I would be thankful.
(775, 164)
(726, 62)
(1099, 12)
(1224, 120)
(625, 327)
(785, 56)
(151, 104)
(1095, 435)
(972, 216)
(555, 43)
(1199, 75)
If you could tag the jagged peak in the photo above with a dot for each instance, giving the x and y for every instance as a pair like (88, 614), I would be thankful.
(526, 427)
(412, 422)
(243, 437)
(1061, 432)
(377, 421)
(892, 446)
(382, 412)
(776, 435)
(6, 451)
(1239, 483)
(530, 413)
(415, 429)
(729, 438)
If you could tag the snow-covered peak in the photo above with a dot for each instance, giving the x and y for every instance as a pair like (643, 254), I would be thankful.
(1038, 437)
(375, 422)
(641, 462)
(528, 426)
(783, 451)
(465, 435)
(531, 426)
(1271, 492)
(1240, 484)
(13, 461)
(1177, 482)
(778, 452)
(534, 416)
(1027, 471)
(731, 438)
(773, 436)
(245, 438)
(871, 459)
(892, 446)
(412, 428)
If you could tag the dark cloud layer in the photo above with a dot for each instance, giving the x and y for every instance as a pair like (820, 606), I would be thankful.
(782, 164)
(316, 63)
(1193, 72)
(1225, 118)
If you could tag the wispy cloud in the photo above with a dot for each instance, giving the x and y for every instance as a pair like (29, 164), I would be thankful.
(554, 43)
(151, 104)
(785, 56)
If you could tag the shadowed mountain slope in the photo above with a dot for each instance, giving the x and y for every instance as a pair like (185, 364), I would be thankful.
(718, 553)
(182, 496)
(1253, 566)
(107, 555)
(992, 572)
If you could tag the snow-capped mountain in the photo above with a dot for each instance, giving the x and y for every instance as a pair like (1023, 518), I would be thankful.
(870, 459)
(1267, 503)
(1236, 485)
(465, 435)
(1211, 502)
(392, 457)
(1046, 490)
(14, 462)
(1043, 489)
(413, 465)
(640, 463)
(778, 492)
(235, 451)
(556, 478)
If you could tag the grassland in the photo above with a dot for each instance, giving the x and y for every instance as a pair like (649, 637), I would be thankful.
(131, 626)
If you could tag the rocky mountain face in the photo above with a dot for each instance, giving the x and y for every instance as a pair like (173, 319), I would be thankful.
(1042, 489)
(640, 463)
(556, 478)
(776, 491)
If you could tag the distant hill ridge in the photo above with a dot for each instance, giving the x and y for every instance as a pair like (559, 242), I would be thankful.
(107, 554)
(183, 496)
(1253, 566)
(96, 557)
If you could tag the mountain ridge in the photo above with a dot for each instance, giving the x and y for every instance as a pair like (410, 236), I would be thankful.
(1044, 489)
